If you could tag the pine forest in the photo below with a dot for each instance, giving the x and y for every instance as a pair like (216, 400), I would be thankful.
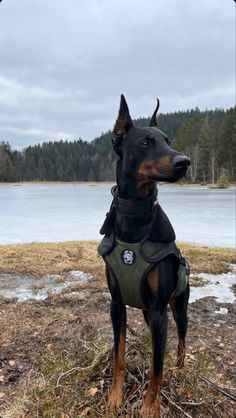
(207, 137)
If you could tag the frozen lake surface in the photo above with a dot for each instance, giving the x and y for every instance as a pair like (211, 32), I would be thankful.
(72, 211)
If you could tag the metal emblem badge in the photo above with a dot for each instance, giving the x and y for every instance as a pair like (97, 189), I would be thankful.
(128, 257)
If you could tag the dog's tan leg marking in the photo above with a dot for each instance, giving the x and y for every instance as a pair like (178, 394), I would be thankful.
(116, 392)
(181, 354)
(181, 343)
(151, 407)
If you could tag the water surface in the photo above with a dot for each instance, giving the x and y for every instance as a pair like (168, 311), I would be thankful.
(72, 211)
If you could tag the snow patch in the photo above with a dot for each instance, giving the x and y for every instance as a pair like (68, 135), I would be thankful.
(29, 288)
(215, 285)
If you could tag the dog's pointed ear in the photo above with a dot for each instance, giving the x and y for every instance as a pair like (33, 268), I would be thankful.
(153, 120)
(123, 122)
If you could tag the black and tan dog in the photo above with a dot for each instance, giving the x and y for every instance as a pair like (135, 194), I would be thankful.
(144, 268)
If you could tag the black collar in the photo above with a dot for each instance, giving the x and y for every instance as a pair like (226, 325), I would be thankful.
(133, 207)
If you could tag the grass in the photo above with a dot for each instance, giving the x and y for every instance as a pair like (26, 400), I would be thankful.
(196, 281)
(38, 259)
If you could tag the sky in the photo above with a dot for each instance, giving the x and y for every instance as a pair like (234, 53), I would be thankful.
(64, 64)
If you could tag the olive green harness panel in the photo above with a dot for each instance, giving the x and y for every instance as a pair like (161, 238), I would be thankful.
(129, 266)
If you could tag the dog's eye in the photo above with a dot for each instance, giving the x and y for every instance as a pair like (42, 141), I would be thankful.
(147, 142)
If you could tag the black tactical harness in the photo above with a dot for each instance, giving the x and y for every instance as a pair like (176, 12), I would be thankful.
(130, 262)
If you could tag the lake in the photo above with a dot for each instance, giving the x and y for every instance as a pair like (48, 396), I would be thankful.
(57, 212)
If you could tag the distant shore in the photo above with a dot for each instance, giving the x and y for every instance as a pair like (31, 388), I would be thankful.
(96, 183)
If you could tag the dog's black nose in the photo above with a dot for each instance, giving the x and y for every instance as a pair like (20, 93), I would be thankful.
(181, 161)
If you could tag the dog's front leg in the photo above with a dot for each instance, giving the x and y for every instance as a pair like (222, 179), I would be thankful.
(179, 309)
(118, 317)
(151, 407)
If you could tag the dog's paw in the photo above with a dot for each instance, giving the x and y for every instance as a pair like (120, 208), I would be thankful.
(115, 399)
(150, 411)
(151, 407)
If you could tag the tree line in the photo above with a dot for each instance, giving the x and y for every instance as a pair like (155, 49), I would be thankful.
(207, 137)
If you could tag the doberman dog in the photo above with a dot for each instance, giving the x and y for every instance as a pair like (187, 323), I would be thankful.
(145, 157)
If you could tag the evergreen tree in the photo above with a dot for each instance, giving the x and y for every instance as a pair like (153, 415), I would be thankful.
(227, 144)
(8, 164)
(188, 143)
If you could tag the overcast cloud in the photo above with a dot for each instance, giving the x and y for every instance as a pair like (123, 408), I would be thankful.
(64, 64)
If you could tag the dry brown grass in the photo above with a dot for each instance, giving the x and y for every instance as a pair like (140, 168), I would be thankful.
(51, 258)
(211, 260)
(38, 259)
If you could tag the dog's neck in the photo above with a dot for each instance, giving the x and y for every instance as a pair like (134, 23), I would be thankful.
(131, 186)
(134, 209)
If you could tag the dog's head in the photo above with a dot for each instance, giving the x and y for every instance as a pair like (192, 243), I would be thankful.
(146, 152)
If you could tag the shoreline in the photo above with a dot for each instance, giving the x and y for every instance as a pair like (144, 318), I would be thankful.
(97, 182)
(95, 240)
(92, 241)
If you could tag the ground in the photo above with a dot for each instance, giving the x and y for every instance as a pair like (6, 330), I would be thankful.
(55, 354)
